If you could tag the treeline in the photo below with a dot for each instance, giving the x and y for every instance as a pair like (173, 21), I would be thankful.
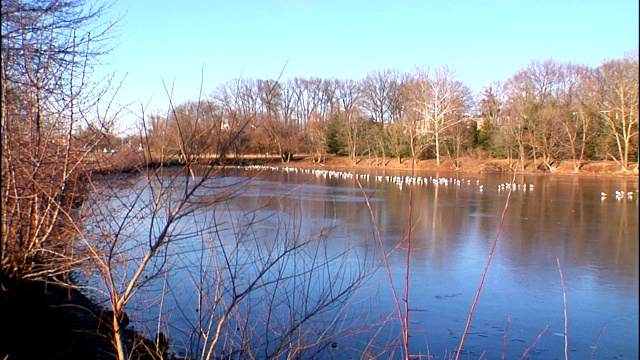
(548, 111)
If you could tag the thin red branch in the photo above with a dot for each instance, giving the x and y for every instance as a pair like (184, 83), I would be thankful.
(534, 342)
(504, 340)
(385, 256)
(405, 322)
(566, 318)
(595, 347)
(484, 272)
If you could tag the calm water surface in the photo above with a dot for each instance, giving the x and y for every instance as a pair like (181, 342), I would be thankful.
(560, 219)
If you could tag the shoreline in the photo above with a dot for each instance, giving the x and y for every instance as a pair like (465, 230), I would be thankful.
(466, 165)
(48, 320)
(128, 163)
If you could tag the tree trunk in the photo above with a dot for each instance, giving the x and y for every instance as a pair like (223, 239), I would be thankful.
(437, 149)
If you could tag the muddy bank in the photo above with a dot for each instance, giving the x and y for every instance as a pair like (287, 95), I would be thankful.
(126, 165)
(46, 321)
(464, 165)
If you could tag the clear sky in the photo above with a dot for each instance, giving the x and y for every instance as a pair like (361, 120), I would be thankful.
(184, 42)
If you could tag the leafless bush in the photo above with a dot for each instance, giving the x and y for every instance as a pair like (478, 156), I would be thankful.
(48, 49)
(247, 286)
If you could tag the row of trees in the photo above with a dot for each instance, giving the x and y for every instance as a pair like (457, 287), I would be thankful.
(547, 112)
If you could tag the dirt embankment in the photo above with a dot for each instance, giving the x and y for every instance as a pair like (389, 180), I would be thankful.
(124, 162)
(466, 165)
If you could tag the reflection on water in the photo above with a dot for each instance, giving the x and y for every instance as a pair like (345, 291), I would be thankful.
(453, 226)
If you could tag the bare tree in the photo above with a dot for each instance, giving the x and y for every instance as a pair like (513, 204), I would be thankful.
(255, 295)
(307, 97)
(617, 99)
(414, 89)
(197, 131)
(549, 101)
(491, 102)
(512, 133)
(316, 138)
(348, 95)
(377, 89)
(352, 132)
(240, 104)
(329, 103)
(511, 137)
(578, 116)
(440, 100)
(544, 132)
(288, 104)
(48, 96)
(397, 140)
(270, 92)
(460, 138)
(490, 116)
(286, 137)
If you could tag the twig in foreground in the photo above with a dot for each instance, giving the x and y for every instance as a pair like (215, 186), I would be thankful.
(484, 272)
(504, 340)
(566, 318)
(595, 347)
(534, 342)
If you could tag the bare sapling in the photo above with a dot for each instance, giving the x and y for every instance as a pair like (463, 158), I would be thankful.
(504, 338)
(484, 273)
(385, 259)
(533, 344)
(595, 346)
(256, 294)
(136, 227)
(566, 316)
(48, 95)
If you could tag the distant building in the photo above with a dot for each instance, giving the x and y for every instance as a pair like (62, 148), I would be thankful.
(612, 114)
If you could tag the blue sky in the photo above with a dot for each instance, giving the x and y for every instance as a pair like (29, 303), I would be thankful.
(484, 40)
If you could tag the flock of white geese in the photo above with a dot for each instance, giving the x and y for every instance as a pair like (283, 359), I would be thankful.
(620, 195)
(402, 181)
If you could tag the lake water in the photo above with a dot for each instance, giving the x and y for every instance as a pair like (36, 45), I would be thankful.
(455, 219)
